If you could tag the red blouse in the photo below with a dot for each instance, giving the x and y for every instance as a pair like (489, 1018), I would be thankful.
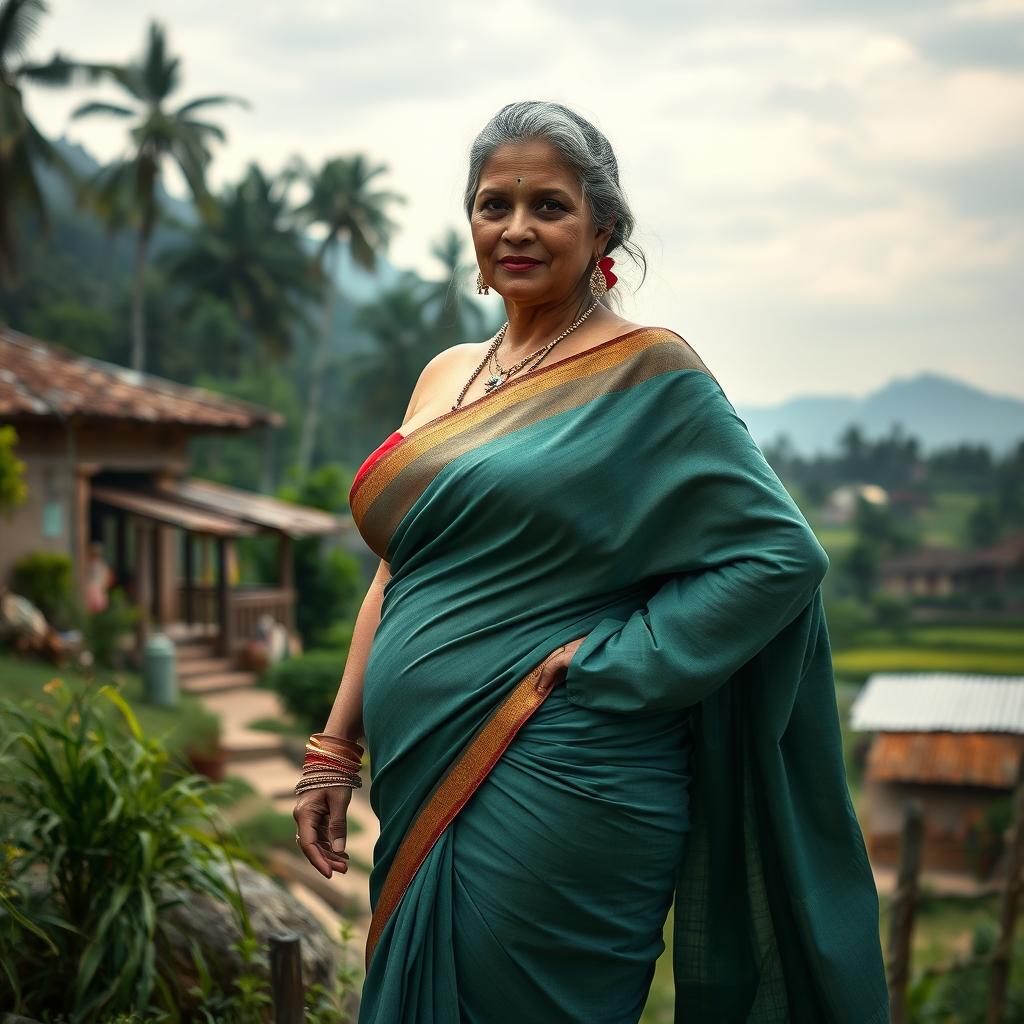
(388, 442)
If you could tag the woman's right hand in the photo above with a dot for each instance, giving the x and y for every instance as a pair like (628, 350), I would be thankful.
(321, 819)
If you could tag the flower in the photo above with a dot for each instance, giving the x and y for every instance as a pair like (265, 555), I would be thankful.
(606, 265)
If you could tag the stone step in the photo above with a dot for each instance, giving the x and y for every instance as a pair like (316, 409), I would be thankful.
(272, 777)
(201, 664)
(217, 682)
(237, 708)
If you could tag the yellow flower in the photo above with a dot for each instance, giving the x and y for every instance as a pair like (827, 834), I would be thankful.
(53, 685)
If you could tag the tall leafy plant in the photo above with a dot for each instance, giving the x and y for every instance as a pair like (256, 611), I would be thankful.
(99, 836)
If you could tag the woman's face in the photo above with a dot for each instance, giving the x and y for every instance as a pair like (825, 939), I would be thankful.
(532, 230)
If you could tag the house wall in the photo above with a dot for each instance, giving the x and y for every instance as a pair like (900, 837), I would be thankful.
(55, 516)
(948, 812)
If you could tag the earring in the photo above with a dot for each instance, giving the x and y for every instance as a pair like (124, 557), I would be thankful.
(598, 284)
(481, 288)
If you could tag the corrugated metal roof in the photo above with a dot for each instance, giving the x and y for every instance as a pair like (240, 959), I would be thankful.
(39, 378)
(939, 702)
(261, 509)
(945, 758)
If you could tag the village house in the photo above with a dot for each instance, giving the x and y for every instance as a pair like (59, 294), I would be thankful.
(106, 450)
(931, 571)
(953, 742)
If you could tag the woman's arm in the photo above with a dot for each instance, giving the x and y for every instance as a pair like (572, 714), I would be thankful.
(346, 717)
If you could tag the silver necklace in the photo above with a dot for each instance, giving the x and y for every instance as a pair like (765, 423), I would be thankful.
(500, 376)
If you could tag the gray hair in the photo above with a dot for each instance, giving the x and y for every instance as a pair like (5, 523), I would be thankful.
(583, 147)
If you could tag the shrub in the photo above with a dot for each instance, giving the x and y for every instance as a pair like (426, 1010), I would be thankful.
(45, 578)
(104, 630)
(308, 684)
(99, 837)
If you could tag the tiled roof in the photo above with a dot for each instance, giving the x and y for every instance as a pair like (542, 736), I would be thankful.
(40, 379)
(939, 702)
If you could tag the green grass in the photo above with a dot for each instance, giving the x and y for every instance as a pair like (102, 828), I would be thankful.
(939, 647)
(22, 680)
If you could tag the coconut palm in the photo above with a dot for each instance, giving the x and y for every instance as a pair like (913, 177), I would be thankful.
(126, 191)
(253, 259)
(23, 149)
(380, 381)
(342, 202)
(455, 316)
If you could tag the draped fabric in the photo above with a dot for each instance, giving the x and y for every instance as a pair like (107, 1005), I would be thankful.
(693, 751)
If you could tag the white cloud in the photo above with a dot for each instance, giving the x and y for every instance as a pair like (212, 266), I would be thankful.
(783, 171)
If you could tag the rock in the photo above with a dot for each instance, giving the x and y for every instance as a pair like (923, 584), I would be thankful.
(272, 911)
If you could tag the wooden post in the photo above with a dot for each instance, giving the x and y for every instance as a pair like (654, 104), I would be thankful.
(286, 979)
(901, 914)
(143, 585)
(286, 575)
(225, 623)
(1002, 956)
(188, 611)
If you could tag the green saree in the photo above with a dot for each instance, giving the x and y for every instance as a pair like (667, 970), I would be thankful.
(531, 847)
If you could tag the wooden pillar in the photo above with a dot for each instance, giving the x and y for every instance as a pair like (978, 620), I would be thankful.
(188, 612)
(121, 546)
(286, 576)
(143, 583)
(902, 908)
(225, 621)
(1002, 956)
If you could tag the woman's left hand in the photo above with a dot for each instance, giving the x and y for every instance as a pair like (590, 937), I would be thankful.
(555, 665)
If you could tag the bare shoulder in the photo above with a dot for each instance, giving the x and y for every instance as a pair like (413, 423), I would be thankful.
(438, 371)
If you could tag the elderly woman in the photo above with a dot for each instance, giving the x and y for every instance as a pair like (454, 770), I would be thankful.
(593, 670)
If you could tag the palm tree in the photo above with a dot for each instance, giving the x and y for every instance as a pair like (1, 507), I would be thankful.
(127, 190)
(342, 202)
(455, 317)
(23, 149)
(381, 381)
(252, 259)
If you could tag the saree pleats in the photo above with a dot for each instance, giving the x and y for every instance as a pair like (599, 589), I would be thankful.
(693, 751)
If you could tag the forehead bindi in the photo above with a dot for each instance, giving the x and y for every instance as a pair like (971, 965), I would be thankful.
(528, 167)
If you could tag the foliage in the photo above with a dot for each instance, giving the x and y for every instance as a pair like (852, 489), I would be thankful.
(45, 578)
(104, 630)
(101, 836)
(328, 584)
(960, 995)
(251, 259)
(308, 684)
(986, 838)
(126, 191)
(13, 489)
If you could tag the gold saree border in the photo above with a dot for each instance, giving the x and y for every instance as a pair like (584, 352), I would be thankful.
(441, 427)
(396, 479)
(458, 784)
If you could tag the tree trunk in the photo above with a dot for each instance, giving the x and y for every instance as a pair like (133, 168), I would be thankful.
(318, 364)
(138, 294)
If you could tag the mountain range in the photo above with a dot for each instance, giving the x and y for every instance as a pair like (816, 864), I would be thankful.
(939, 411)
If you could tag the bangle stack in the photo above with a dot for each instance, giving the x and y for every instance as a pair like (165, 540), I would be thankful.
(330, 761)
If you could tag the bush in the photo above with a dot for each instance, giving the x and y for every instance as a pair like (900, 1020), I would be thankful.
(99, 837)
(308, 684)
(104, 630)
(45, 578)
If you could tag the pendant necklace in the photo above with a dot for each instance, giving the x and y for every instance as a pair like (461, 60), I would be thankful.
(498, 375)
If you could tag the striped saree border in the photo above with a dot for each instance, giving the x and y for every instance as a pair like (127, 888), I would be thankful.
(450, 795)
(397, 479)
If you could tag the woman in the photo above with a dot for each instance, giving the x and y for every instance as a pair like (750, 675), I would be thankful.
(593, 669)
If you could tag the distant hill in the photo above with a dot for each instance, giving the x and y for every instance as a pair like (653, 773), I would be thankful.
(936, 409)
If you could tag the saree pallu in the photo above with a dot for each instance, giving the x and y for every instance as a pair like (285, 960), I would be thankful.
(530, 847)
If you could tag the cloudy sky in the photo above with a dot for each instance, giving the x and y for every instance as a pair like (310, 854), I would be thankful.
(828, 192)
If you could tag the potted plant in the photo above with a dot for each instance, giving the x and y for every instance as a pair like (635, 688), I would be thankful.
(205, 754)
